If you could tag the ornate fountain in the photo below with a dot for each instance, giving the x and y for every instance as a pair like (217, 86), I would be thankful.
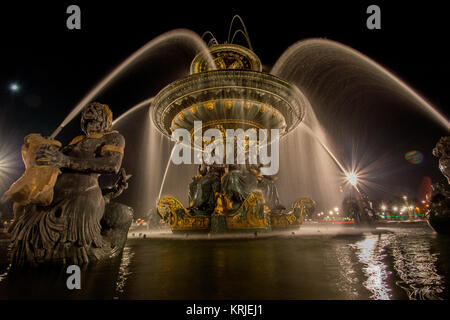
(237, 95)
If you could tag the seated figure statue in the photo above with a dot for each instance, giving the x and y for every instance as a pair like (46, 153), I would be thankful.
(442, 151)
(270, 192)
(237, 184)
(359, 207)
(203, 188)
(74, 227)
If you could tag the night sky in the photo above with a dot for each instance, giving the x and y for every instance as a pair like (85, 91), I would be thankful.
(55, 67)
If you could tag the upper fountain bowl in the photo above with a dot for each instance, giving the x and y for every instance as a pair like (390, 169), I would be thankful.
(235, 95)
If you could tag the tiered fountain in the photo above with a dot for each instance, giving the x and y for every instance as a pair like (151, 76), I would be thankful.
(237, 95)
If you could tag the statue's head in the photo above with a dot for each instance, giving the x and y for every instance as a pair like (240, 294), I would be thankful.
(442, 147)
(96, 118)
(437, 152)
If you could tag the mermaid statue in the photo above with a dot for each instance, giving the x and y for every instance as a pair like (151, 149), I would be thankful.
(77, 223)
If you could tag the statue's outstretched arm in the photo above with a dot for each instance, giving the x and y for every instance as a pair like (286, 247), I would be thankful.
(108, 159)
(109, 162)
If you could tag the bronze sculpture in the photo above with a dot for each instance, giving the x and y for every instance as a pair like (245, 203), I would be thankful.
(203, 188)
(80, 224)
(442, 151)
(438, 215)
(230, 196)
(358, 207)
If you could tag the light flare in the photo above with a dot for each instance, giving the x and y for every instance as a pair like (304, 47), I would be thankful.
(352, 178)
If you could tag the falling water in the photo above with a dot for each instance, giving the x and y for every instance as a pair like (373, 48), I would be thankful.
(135, 126)
(132, 109)
(189, 38)
(311, 132)
(340, 64)
(311, 170)
(176, 180)
(165, 173)
(357, 106)
(344, 171)
(245, 33)
(147, 158)
(329, 74)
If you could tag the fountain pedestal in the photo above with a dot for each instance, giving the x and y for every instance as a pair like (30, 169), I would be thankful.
(237, 209)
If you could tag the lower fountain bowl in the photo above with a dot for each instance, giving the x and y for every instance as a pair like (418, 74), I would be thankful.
(229, 99)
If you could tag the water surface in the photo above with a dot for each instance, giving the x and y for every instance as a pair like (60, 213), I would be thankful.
(314, 263)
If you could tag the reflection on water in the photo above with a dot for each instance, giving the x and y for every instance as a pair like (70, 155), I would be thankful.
(340, 263)
(348, 280)
(397, 259)
(124, 270)
(371, 254)
(416, 266)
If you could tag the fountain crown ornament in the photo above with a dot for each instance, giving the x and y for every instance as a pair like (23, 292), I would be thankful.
(235, 95)
(227, 56)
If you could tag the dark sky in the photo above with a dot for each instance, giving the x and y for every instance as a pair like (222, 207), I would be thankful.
(56, 67)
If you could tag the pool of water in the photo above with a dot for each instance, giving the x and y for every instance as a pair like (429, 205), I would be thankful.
(314, 263)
